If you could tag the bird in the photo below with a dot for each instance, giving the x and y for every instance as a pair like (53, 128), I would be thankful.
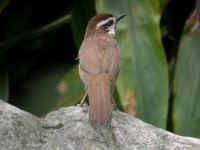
(99, 65)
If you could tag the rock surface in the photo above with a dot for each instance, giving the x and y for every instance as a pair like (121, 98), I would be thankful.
(69, 129)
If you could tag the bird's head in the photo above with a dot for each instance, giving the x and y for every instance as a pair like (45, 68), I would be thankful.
(103, 24)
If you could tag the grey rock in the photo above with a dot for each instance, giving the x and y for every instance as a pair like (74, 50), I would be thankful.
(69, 129)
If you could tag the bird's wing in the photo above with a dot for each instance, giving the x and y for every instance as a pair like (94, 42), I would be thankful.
(100, 59)
(90, 60)
(111, 61)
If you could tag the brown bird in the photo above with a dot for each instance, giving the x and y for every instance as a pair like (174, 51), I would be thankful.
(99, 64)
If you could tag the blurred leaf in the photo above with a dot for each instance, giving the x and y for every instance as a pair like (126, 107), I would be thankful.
(49, 27)
(187, 86)
(163, 5)
(3, 4)
(71, 88)
(130, 107)
(38, 93)
(144, 68)
(30, 35)
(29, 46)
(82, 12)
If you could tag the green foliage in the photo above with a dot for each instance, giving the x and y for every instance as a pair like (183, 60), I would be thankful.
(159, 80)
(82, 11)
(187, 86)
(144, 62)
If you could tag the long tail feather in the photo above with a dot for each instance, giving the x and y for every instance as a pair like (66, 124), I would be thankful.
(100, 99)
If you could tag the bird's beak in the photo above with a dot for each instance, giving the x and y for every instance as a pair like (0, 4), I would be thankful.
(119, 17)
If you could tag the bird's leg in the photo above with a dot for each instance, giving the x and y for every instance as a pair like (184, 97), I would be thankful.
(113, 101)
(83, 100)
(114, 104)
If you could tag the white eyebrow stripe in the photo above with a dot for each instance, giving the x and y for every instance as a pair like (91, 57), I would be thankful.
(103, 22)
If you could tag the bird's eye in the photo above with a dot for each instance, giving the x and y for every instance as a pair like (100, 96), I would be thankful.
(109, 23)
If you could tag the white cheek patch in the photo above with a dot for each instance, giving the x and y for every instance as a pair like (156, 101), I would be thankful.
(111, 29)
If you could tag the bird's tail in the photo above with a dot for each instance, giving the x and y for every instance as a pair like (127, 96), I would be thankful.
(100, 99)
